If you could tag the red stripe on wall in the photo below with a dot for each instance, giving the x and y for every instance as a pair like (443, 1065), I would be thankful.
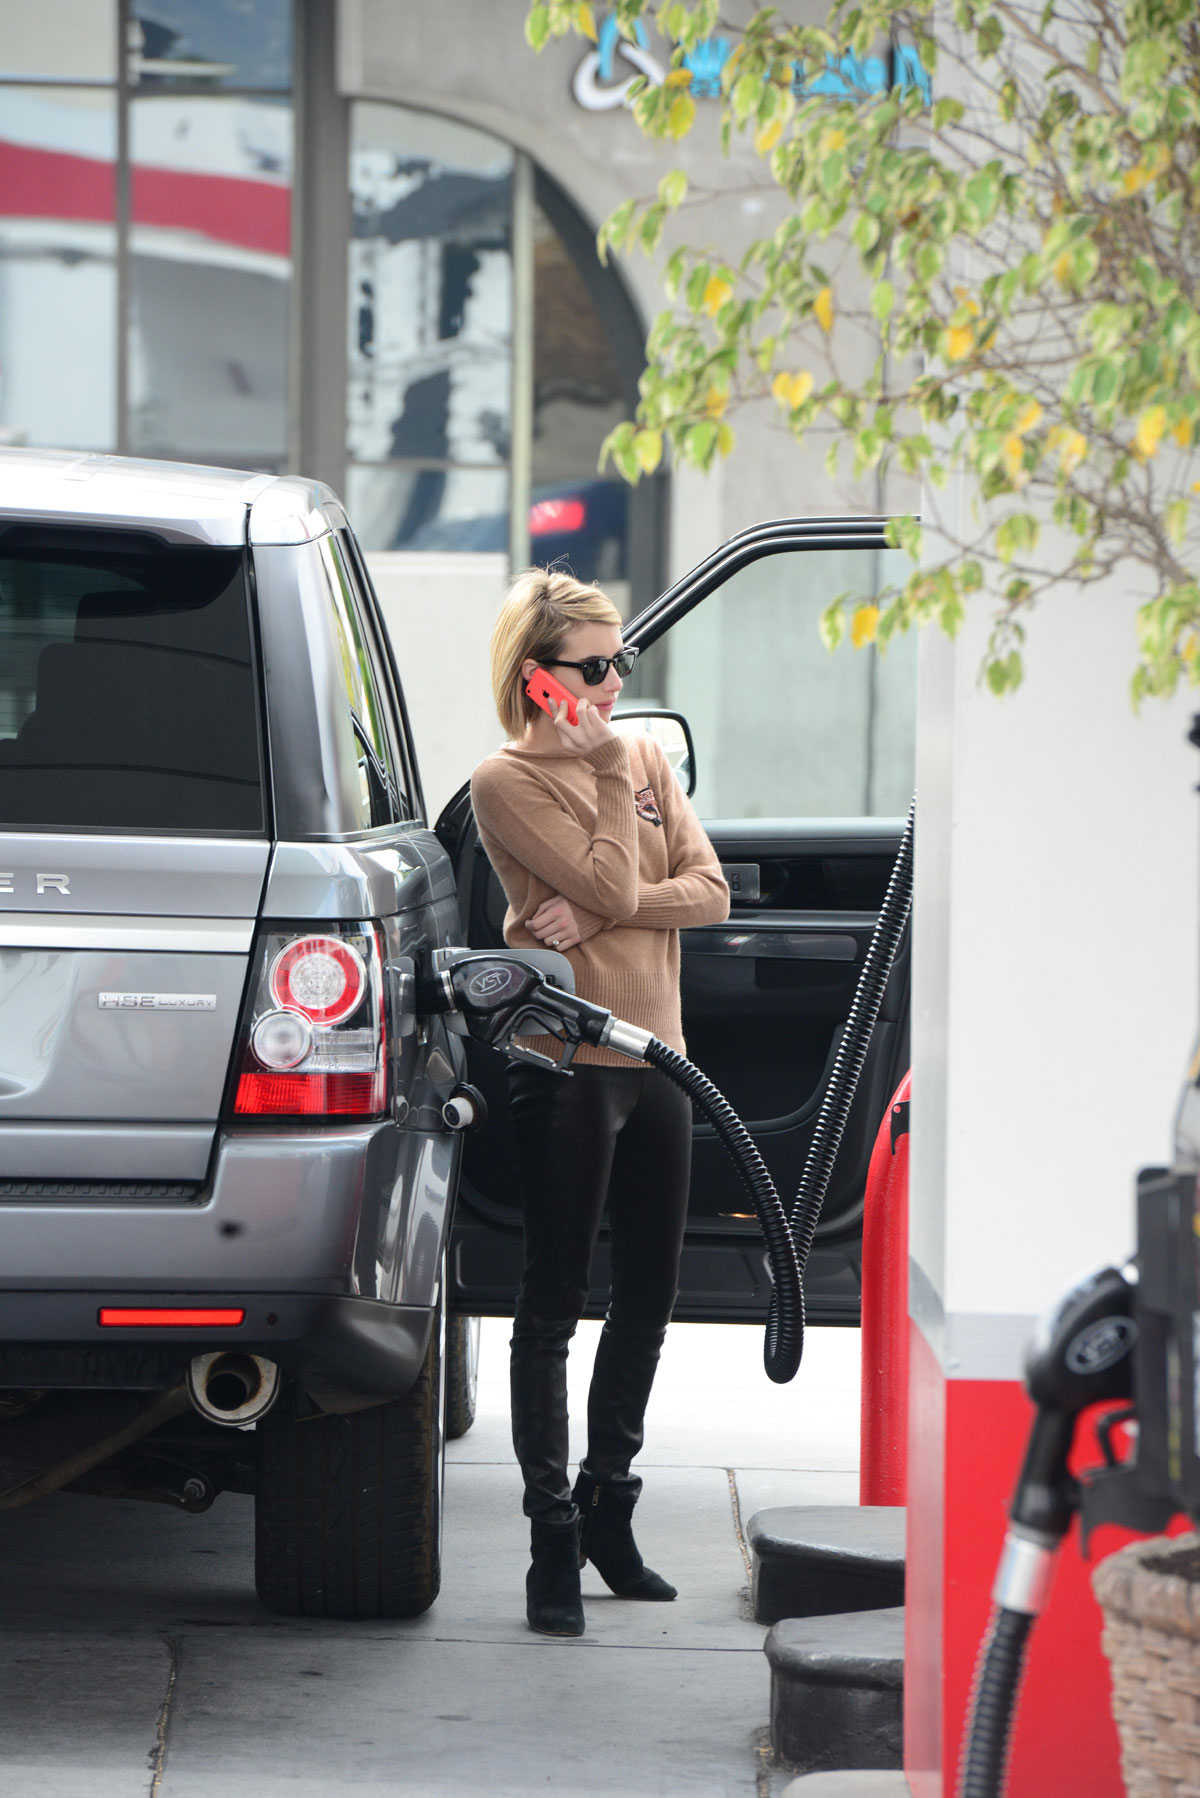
(253, 215)
(49, 184)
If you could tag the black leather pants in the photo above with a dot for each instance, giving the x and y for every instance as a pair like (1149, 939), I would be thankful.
(625, 1135)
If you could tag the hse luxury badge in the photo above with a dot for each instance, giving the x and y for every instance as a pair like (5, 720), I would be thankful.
(158, 1001)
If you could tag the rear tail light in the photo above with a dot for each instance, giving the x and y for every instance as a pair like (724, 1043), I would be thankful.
(314, 1039)
(320, 976)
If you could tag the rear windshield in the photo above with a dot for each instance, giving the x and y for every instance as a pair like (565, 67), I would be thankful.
(127, 689)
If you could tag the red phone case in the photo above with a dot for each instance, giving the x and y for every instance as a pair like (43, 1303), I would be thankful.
(549, 693)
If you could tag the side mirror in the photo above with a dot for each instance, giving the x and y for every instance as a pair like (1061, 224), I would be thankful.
(670, 730)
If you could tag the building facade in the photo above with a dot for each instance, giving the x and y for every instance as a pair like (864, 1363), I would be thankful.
(356, 239)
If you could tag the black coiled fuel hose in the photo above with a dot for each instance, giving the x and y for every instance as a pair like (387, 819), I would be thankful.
(994, 1704)
(784, 1345)
(787, 1304)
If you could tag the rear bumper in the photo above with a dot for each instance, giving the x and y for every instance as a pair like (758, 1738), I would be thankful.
(355, 1211)
(336, 1346)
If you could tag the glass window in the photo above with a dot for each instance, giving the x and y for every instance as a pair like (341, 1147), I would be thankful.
(430, 290)
(127, 688)
(429, 508)
(58, 284)
(782, 728)
(578, 517)
(430, 351)
(210, 272)
(67, 40)
(215, 43)
(365, 695)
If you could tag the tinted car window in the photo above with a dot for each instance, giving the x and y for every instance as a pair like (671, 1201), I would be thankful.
(127, 686)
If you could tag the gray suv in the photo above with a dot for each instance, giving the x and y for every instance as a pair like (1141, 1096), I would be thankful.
(229, 1149)
(227, 1154)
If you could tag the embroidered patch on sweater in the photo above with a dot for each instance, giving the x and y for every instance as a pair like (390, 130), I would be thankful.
(644, 805)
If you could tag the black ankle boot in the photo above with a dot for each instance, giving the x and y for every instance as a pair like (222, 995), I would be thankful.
(552, 1602)
(606, 1538)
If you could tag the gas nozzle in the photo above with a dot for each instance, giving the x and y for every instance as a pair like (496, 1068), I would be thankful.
(496, 997)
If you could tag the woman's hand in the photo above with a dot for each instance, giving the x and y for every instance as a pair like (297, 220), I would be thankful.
(590, 733)
(553, 923)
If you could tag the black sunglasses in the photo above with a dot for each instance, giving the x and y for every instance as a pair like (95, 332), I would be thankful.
(595, 668)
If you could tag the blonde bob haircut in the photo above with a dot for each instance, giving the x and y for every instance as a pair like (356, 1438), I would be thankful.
(540, 608)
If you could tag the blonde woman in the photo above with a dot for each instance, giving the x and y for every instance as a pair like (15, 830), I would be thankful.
(602, 858)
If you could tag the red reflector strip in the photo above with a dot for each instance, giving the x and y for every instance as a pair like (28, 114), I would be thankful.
(141, 1317)
(310, 1095)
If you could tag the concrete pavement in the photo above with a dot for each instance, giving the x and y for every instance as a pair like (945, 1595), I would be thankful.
(135, 1661)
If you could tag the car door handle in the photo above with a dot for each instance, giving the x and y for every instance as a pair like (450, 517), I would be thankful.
(743, 880)
(763, 942)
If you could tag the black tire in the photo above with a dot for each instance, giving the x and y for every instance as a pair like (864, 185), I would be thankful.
(462, 1375)
(348, 1510)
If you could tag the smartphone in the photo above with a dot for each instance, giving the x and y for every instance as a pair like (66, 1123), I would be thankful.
(549, 693)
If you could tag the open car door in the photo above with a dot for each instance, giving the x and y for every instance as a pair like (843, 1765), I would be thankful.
(802, 775)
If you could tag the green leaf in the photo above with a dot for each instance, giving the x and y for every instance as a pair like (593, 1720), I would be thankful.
(697, 281)
(537, 26)
(700, 443)
(745, 96)
(680, 115)
(672, 189)
(1175, 517)
(615, 228)
(997, 676)
(647, 447)
(832, 623)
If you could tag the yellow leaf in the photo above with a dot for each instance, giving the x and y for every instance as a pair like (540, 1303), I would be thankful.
(1028, 417)
(823, 308)
(724, 438)
(715, 402)
(1183, 433)
(647, 447)
(715, 295)
(585, 19)
(960, 341)
(1190, 649)
(833, 140)
(792, 390)
(766, 139)
(863, 626)
(1072, 449)
(679, 78)
(1014, 457)
(1062, 269)
(1150, 428)
(1134, 179)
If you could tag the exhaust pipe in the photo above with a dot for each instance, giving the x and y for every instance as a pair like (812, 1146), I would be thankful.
(231, 1387)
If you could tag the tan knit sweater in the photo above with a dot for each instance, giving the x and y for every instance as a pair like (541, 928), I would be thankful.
(612, 833)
